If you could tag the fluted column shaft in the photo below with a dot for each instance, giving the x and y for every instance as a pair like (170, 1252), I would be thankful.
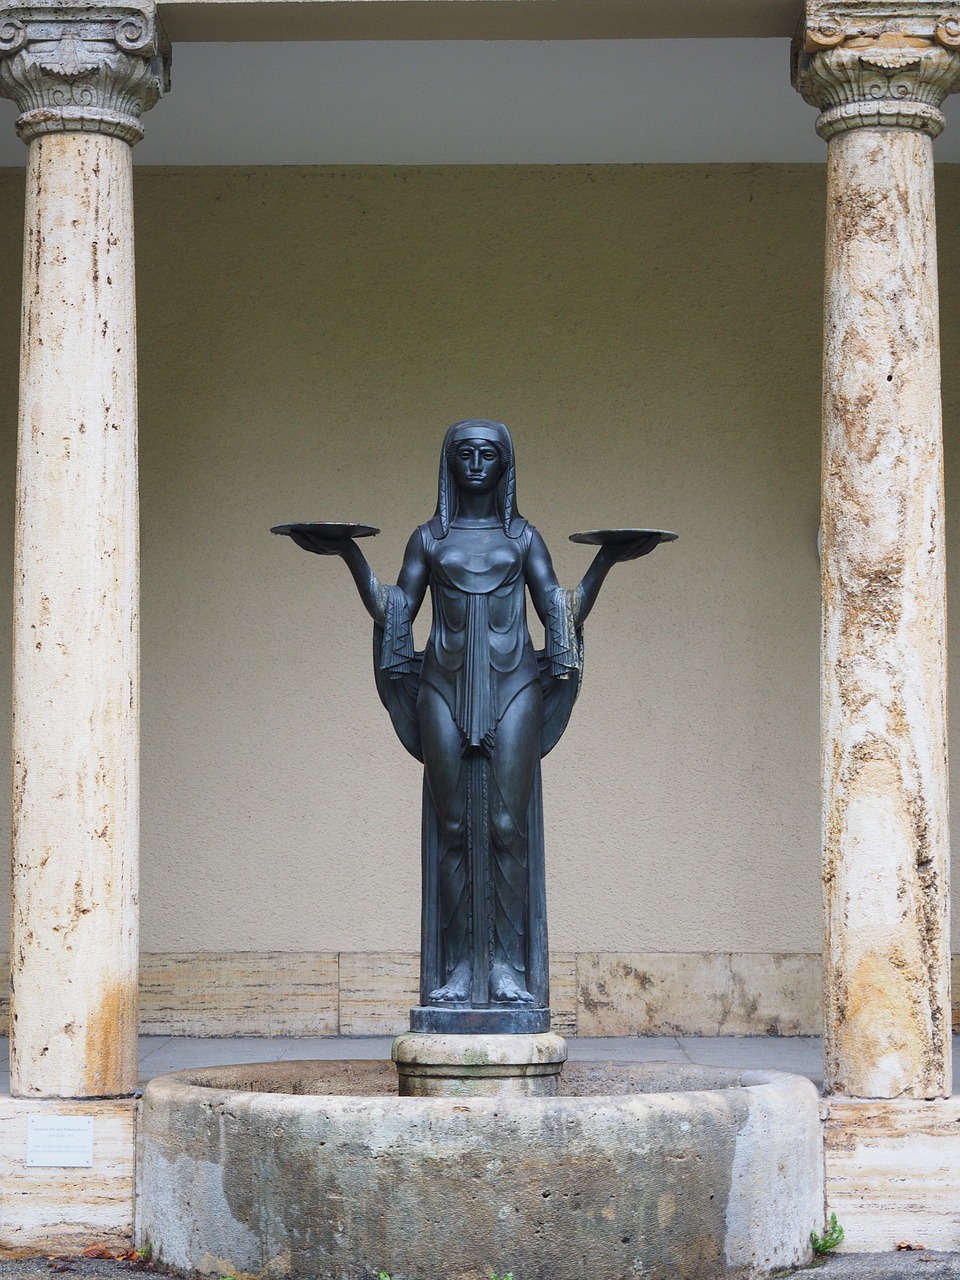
(81, 77)
(885, 830)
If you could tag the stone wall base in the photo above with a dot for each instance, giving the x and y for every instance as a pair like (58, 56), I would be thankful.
(62, 1208)
(893, 1172)
(357, 993)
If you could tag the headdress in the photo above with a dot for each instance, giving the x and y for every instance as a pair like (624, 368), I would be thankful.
(496, 433)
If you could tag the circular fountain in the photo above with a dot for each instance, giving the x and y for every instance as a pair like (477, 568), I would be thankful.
(319, 1169)
(486, 1158)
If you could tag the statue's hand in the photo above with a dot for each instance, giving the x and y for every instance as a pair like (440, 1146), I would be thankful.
(321, 546)
(618, 553)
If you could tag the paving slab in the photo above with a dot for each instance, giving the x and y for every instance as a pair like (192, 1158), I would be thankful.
(801, 1055)
(926, 1265)
(920, 1265)
(326, 1047)
(180, 1053)
(626, 1049)
(162, 1054)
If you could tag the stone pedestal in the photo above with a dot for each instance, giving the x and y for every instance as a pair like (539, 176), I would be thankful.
(495, 1021)
(479, 1066)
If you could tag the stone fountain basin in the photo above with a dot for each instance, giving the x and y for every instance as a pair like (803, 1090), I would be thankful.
(635, 1170)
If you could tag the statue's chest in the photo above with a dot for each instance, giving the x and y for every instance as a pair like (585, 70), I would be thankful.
(477, 561)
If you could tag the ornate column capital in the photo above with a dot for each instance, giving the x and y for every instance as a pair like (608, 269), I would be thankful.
(93, 68)
(869, 64)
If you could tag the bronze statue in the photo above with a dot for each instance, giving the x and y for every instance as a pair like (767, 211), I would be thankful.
(480, 708)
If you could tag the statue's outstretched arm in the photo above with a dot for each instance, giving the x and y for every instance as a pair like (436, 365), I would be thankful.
(412, 581)
(542, 580)
(414, 572)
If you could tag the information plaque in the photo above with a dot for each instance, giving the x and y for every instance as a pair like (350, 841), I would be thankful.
(64, 1142)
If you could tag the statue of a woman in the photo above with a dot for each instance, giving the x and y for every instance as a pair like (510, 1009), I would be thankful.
(479, 707)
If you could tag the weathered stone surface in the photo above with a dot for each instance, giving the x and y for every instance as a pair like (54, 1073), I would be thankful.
(453, 1066)
(89, 68)
(884, 752)
(878, 65)
(893, 1171)
(81, 76)
(55, 1208)
(563, 993)
(697, 994)
(377, 991)
(673, 1173)
(210, 993)
(879, 73)
(76, 629)
(242, 993)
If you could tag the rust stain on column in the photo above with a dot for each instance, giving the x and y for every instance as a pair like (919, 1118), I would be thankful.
(884, 754)
(110, 1040)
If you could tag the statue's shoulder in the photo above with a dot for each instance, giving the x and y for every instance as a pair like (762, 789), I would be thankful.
(430, 533)
(525, 533)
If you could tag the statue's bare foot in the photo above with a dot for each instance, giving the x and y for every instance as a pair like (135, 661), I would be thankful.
(456, 990)
(504, 986)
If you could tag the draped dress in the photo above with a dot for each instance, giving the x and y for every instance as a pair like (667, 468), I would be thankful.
(483, 891)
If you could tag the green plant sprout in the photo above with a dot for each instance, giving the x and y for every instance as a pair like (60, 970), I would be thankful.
(830, 1238)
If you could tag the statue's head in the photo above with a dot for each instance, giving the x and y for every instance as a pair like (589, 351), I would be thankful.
(479, 431)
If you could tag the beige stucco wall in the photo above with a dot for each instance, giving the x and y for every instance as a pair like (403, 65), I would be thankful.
(651, 335)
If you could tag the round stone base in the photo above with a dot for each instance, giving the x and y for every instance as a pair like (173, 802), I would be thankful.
(317, 1171)
(472, 1066)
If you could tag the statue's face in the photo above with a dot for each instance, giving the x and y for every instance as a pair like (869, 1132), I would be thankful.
(476, 465)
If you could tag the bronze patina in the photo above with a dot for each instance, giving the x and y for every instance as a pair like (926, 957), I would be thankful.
(479, 707)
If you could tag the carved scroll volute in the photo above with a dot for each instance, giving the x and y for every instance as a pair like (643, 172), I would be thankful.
(888, 71)
(827, 34)
(947, 30)
(89, 68)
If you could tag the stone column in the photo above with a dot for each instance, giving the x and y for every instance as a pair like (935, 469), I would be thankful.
(879, 77)
(81, 76)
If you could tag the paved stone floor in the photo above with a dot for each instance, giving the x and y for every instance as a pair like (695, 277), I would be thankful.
(159, 1054)
(800, 1054)
(858, 1266)
(888, 1266)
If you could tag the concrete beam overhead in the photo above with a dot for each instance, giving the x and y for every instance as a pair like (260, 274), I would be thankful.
(476, 19)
